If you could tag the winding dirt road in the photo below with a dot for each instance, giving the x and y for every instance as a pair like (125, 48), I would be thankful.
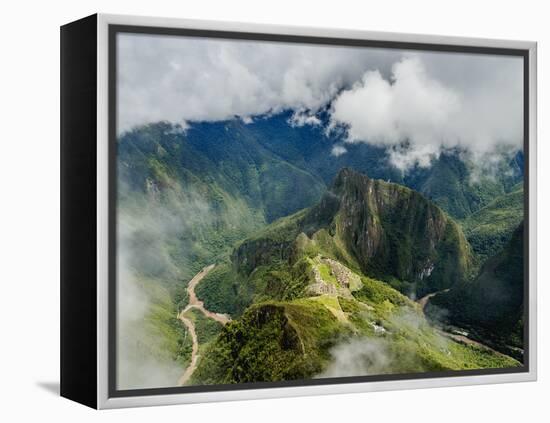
(194, 302)
(195, 352)
(423, 302)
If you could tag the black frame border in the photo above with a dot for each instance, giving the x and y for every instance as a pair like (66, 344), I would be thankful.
(78, 211)
(114, 29)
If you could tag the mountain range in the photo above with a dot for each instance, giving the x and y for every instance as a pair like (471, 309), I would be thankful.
(318, 257)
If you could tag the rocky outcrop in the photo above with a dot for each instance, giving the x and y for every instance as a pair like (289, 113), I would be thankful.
(345, 277)
(339, 282)
(394, 231)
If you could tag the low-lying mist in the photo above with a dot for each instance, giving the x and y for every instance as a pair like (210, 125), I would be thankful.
(360, 357)
(155, 238)
(398, 350)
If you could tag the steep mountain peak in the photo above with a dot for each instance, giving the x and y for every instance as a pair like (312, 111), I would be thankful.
(346, 173)
(348, 178)
(387, 230)
(357, 193)
(349, 181)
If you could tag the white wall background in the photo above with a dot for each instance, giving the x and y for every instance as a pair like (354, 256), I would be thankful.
(29, 188)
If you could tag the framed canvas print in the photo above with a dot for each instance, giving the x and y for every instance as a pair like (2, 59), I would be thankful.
(255, 211)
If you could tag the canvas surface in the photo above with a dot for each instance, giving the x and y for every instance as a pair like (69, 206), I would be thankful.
(290, 212)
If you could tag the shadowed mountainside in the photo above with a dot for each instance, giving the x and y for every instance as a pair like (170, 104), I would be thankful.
(491, 304)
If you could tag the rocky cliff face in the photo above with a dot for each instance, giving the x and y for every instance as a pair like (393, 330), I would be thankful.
(390, 231)
(394, 231)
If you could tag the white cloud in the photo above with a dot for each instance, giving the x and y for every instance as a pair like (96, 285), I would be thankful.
(413, 107)
(338, 150)
(301, 118)
(414, 103)
(417, 115)
(199, 79)
(360, 357)
(148, 227)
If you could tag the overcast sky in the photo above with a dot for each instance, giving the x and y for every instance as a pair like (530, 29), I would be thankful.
(431, 100)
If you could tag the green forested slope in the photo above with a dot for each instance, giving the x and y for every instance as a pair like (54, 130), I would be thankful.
(179, 208)
(489, 229)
